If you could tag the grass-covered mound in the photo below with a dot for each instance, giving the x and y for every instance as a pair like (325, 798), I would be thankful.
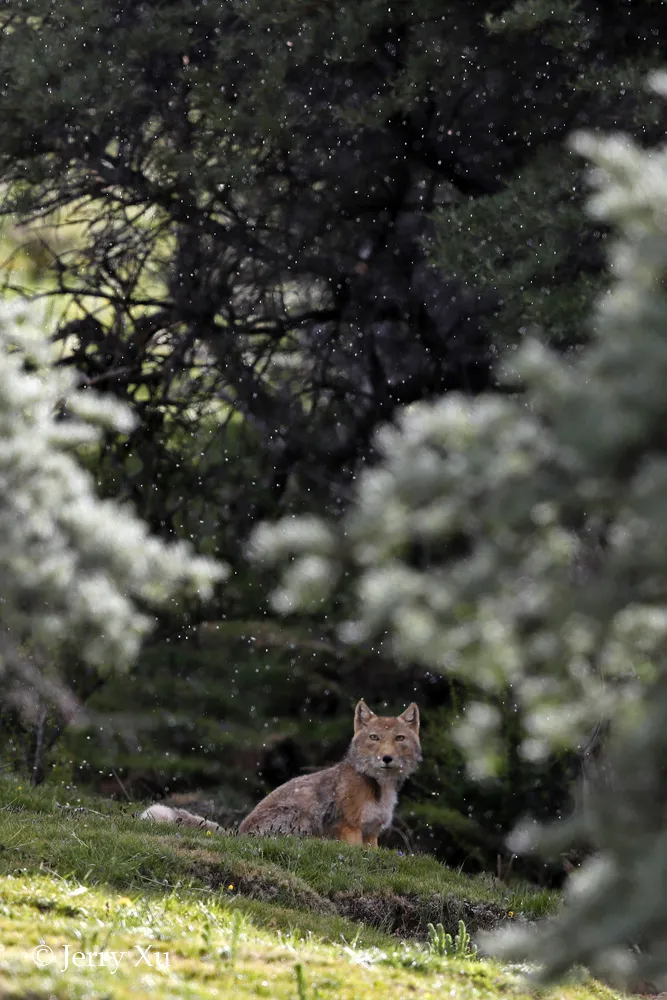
(132, 908)
(98, 842)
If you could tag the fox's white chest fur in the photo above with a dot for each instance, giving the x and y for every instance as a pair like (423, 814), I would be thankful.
(377, 815)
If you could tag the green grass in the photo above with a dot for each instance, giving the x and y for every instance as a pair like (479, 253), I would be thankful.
(100, 842)
(179, 945)
(236, 916)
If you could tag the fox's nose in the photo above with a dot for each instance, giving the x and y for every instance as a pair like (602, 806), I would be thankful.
(387, 759)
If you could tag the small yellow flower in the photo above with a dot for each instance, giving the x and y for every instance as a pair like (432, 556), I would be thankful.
(230, 887)
(125, 901)
(20, 788)
(208, 833)
(511, 913)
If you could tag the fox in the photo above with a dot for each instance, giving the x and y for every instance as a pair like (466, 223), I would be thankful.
(353, 801)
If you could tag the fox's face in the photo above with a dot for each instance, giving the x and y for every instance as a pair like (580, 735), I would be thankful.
(384, 746)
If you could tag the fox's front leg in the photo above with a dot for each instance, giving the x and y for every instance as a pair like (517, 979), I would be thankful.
(371, 840)
(350, 834)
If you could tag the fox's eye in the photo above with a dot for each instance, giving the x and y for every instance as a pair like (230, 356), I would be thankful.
(399, 738)
(373, 736)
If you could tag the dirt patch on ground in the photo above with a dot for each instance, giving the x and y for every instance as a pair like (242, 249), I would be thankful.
(406, 916)
(410, 915)
(267, 883)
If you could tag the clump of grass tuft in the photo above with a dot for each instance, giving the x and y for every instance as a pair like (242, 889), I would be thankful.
(439, 942)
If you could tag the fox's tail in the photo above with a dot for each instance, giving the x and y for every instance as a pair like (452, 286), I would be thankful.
(180, 817)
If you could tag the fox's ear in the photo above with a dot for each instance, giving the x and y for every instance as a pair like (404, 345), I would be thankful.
(362, 715)
(411, 717)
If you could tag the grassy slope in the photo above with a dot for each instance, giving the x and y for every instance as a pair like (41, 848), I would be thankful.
(237, 916)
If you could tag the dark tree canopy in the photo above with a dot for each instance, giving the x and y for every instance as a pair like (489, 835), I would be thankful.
(265, 189)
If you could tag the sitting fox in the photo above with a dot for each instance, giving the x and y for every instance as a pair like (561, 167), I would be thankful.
(351, 801)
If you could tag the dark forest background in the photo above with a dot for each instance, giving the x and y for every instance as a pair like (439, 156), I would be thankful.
(265, 227)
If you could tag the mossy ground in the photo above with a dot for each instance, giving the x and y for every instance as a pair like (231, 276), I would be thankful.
(182, 914)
